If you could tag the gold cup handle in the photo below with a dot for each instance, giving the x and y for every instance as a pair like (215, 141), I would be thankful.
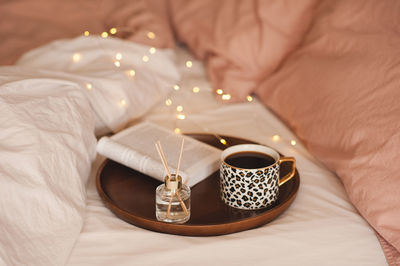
(288, 176)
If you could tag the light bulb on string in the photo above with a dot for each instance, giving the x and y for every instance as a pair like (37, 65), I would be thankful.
(86, 33)
(104, 34)
(226, 97)
(293, 142)
(181, 116)
(176, 87)
(223, 141)
(276, 138)
(113, 31)
(196, 89)
(151, 35)
(168, 102)
(89, 86)
(118, 56)
(249, 98)
(145, 58)
(152, 50)
(189, 64)
(219, 92)
(131, 73)
(76, 57)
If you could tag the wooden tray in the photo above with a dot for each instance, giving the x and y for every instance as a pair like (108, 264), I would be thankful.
(131, 196)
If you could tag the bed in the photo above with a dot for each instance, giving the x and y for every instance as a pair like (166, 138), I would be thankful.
(58, 97)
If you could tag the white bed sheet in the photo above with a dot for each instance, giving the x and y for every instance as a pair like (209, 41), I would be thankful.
(321, 227)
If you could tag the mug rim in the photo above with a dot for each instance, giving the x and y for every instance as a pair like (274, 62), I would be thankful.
(225, 153)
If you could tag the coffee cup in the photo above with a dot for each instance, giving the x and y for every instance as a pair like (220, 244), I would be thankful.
(250, 176)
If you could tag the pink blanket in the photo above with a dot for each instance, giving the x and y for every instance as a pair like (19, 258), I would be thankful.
(330, 69)
(26, 24)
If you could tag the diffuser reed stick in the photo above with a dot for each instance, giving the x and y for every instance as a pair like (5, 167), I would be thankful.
(164, 161)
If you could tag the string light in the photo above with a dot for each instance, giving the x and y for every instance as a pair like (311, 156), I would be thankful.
(219, 91)
(76, 57)
(293, 142)
(113, 31)
(117, 63)
(276, 138)
(189, 64)
(118, 56)
(152, 50)
(145, 58)
(151, 35)
(89, 86)
(223, 141)
(179, 108)
(249, 98)
(177, 130)
(196, 89)
(176, 87)
(168, 102)
(123, 103)
(86, 33)
(131, 73)
(226, 97)
(181, 116)
(104, 34)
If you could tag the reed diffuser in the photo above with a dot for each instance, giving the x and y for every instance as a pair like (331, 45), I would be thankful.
(172, 197)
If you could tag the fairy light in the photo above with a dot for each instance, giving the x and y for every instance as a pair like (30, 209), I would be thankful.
(179, 108)
(145, 58)
(219, 91)
(86, 33)
(89, 86)
(113, 31)
(293, 142)
(123, 103)
(117, 63)
(180, 116)
(131, 73)
(223, 141)
(76, 57)
(151, 35)
(152, 50)
(226, 97)
(177, 130)
(249, 98)
(118, 56)
(196, 89)
(189, 64)
(168, 102)
(104, 34)
(176, 87)
(276, 138)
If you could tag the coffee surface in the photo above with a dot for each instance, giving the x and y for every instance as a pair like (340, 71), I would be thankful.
(249, 160)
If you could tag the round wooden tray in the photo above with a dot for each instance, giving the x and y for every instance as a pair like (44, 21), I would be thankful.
(131, 196)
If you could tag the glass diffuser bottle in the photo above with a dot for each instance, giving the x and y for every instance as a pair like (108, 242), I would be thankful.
(173, 201)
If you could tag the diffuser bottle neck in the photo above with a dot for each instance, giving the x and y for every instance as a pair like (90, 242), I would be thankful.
(173, 183)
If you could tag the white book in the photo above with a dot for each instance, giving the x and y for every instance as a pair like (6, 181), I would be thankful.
(134, 147)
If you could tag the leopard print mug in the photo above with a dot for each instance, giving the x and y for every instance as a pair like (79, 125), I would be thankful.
(256, 188)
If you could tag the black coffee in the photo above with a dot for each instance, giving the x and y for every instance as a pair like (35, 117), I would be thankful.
(249, 160)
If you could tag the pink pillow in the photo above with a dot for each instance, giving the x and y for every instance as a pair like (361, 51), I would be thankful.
(340, 93)
(241, 41)
(27, 24)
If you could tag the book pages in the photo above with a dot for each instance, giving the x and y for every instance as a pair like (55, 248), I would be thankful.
(134, 147)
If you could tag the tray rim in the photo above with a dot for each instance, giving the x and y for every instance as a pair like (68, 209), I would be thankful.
(203, 229)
